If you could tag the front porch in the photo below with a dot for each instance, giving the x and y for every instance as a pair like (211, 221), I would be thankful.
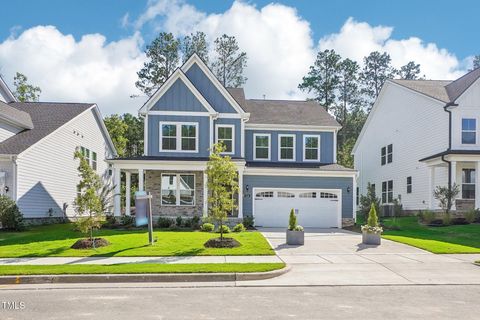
(178, 188)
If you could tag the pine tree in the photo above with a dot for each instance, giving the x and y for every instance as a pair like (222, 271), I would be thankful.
(195, 43)
(376, 70)
(230, 62)
(410, 71)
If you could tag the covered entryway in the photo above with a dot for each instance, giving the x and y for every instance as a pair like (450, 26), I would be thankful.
(315, 208)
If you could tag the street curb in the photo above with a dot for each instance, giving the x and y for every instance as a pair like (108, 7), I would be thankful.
(154, 277)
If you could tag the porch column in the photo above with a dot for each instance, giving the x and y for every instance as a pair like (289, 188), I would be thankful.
(205, 194)
(127, 192)
(117, 194)
(477, 185)
(453, 175)
(140, 180)
(431, 198)
(240, 194)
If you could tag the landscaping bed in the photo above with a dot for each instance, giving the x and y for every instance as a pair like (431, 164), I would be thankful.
(56, 241)
(139, 268)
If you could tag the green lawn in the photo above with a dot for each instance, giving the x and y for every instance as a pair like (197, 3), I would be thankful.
(55, 241)
(139, 268)
(451, 239)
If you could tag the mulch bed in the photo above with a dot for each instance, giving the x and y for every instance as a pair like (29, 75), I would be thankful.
(219, 243)
(88, 244)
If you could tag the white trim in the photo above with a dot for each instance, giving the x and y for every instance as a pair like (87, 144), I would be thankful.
(177, 190)
(289, 135)
(117, 194)
(127, 192)
(318, 149)
(145, 134)
(467, 117)
(7, 93)
(178, 136)
(290, 127)
(240, 194)
(167, 165)
(178, 74)
(231, 126)
(296, 172)
(233, 115)
(255, 135)
(337, 192)
(205, 195)
(242, 138)
(335, 146)
(195, 59)
(179, 113)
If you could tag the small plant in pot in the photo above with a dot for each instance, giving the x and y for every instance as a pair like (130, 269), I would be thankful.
(295, 233)
(371, 232)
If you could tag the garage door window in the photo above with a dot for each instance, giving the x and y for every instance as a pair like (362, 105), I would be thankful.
(308, 195)
(264, 194)
(282, 194)
(328, 195)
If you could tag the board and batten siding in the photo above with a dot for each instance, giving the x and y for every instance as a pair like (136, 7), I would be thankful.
(47, 172)
(417, 126)
(292, 182)
(178, 98)
(326, 145)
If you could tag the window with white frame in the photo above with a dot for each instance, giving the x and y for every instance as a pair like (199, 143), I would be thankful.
(469, 131)
(387, 154)
(261, 147)
(387, 191)
(311, 147)
(409, 184)
(468, 183)
(286, 147)
(90, 156)
(94, 160)
(226, 134)
(178, 189)
(182, 137)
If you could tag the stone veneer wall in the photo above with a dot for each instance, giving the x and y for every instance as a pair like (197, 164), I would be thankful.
(153, 184)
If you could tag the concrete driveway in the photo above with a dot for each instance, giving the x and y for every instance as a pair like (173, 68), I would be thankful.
(337, 257)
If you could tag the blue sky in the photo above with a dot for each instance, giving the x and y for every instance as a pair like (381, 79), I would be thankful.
(90, 50)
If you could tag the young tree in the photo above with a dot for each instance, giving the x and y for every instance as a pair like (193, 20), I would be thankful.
(117, 129)
(476, 62)
(163, 58)
(195, 43)
(229, 62)
(222, 185)
(323, 78)
(23, 90)
(376, 70)
(410, 71)
(446, 196)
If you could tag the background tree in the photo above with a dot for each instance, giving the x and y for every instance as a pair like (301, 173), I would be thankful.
(195, 43)
(323, 78)
(446, 196)
(222, 185)
(163, 58)
(229, 62)
(117, 129)
(366, 201)
(476, 62)
(376, 70)
(23, 90)
(410, 71)
(134, 135)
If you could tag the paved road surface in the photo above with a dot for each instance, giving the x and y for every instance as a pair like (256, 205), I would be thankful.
(145, 301)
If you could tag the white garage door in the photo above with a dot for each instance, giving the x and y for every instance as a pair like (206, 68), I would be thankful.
(315, 208)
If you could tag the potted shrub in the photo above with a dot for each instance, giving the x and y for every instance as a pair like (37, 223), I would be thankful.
(295, 233)
(371, 232)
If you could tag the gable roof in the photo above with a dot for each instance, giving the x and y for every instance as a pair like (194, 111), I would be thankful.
(456, 88)
(287, 112)
(5, 92)
(16, 117)
(46, 118)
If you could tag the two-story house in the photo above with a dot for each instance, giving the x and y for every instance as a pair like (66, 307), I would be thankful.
(419, 135)
(285, 152)
(37, 143)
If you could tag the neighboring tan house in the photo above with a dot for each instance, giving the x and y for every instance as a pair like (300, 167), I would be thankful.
(419, 135)
(285, 153)
(37, 143)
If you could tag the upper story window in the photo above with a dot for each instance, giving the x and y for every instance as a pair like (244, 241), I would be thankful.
(286, 147)
(387, 191)
(469, 131)
(311, 148)
(261, 146)
(387, 154)
(409, 184)
(226, 134)
(90, 157)
(181, 137)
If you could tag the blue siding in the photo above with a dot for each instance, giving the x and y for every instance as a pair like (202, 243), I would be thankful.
(238, 128)
(299, 183)
(179, 98)
(154, 135)
(326, 145)
(209, 90)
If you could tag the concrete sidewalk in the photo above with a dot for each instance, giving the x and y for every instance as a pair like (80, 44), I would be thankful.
(117, 260)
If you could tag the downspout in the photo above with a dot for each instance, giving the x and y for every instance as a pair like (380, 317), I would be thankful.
(449, 163)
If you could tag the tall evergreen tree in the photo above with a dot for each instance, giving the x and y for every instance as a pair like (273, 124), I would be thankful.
(410, 71)
(163, 58)
(117, 129)
(134, 135)
(323, 78)
(23, 90)
(476, 62)
(229, 62)
(348, 89)
(195, 43)
(376, 70)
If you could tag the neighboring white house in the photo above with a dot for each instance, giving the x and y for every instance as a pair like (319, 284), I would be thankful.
(37, 143)
(421, 134)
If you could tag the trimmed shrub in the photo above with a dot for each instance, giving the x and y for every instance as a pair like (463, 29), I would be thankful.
(187, 223)
(195, 222)
(239, 228)
(179, 221)
(207, 227)
(127, 221)
(164, 222)
(248, 222)
(292, 220)
(372, 220)
(470, 215)
(10, 216)
(223, 229)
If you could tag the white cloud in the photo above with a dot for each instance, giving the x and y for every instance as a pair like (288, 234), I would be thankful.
(357, 39)
(88, 70)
